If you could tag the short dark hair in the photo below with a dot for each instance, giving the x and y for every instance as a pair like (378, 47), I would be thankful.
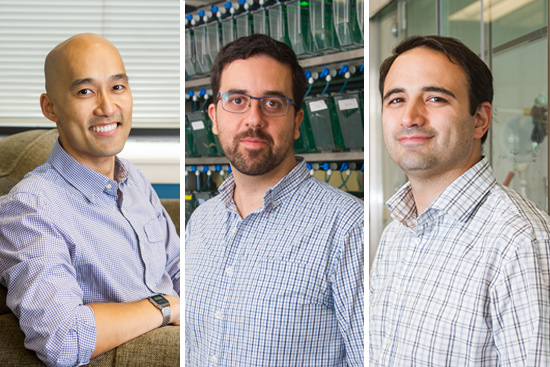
(480, 78)
(260, 44)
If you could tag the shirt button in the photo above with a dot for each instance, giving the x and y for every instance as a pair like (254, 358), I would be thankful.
(218, 315)
(388, 341)
(229, 271)
(234, 229)
(214, 359)
(275, 203)
(417, 241)
(108, 186)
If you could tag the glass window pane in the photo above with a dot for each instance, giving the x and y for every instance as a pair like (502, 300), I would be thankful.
(519, 106)
(421, 17)
(513, 19)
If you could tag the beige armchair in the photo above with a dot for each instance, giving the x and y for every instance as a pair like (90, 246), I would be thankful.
(19, 154)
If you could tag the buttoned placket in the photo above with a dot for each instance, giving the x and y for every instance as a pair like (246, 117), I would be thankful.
(406, 270)
(226, 284)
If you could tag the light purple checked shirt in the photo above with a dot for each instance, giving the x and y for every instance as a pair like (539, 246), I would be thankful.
(283, 286)
(466, 283)
(66, 242)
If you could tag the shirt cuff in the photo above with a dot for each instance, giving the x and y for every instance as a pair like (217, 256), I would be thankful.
(176, 285)
(81, 338)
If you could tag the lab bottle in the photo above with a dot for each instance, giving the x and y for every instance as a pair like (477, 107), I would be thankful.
(305, 142)
(277, 23)
(322, 117)
(243, 20)
(360, 13)
(350, 119)
(299, 31)
(213, 37)
(322, 26)
(346, 24)
(203, 60)
(203, 138)
(190, 68)
(228, 23)
(189, 143)
(260, 20)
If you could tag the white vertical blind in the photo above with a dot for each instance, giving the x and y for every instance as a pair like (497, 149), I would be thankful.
(145, 32)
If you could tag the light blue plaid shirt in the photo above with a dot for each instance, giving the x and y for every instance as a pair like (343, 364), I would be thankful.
(281, 287)
(65, 242)
(464, 284)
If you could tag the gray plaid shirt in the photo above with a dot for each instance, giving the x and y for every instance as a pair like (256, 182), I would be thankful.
(464, 284)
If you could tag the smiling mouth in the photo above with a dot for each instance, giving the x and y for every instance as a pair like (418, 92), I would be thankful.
(104, 128)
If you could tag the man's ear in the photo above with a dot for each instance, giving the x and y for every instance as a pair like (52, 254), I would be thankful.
(47, 105)
(482, 119)
(212, 114)
(297, 121)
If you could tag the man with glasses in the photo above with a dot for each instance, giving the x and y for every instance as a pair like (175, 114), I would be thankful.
(274, 264)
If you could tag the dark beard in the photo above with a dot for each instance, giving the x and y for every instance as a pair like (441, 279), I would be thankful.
(253, 162)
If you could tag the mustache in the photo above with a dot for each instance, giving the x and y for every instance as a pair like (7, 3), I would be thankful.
(101, 120)
(410, 131)
(255, 134)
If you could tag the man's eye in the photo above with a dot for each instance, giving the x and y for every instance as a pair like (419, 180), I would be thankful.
(437, 99)
(118, 87)
(84, 91)
(273, 103)
(237, 100)
(396, 100)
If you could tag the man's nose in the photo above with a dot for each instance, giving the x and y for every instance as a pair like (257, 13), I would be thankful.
(413, 114)
(254, 117)
(105, 105)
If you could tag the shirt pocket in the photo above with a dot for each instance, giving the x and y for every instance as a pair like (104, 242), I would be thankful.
(288, 281)
(153, 254)
(154, 231)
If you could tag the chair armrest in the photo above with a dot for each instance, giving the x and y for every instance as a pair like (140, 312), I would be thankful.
(172, 206)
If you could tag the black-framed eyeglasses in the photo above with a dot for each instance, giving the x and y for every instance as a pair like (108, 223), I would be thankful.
(235, 102)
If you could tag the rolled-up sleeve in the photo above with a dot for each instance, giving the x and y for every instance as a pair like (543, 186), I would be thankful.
(36, 267)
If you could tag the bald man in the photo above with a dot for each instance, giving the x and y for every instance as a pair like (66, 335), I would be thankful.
(88, 254)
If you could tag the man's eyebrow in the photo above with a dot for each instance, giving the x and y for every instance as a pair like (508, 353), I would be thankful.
(393, 91)
(440, 90)
(266, 93)
(119, 76)
(78, 82)
(242, 91)
(425, 89)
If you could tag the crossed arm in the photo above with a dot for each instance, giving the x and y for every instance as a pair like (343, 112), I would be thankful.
(117, 323)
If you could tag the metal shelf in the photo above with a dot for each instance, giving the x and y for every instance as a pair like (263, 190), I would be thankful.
(309, 157)
(333, 58)
(306, 63)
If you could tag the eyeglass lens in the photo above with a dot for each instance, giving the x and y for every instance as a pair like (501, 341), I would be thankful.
(239, 103)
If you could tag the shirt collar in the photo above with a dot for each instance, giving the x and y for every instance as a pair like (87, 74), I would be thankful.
(275, 194)
(462, 197)
(459, 199)
(89, 182)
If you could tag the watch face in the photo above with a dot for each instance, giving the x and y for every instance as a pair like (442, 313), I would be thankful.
(160, 300)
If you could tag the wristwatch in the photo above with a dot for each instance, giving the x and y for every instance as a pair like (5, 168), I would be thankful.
(163, 305)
